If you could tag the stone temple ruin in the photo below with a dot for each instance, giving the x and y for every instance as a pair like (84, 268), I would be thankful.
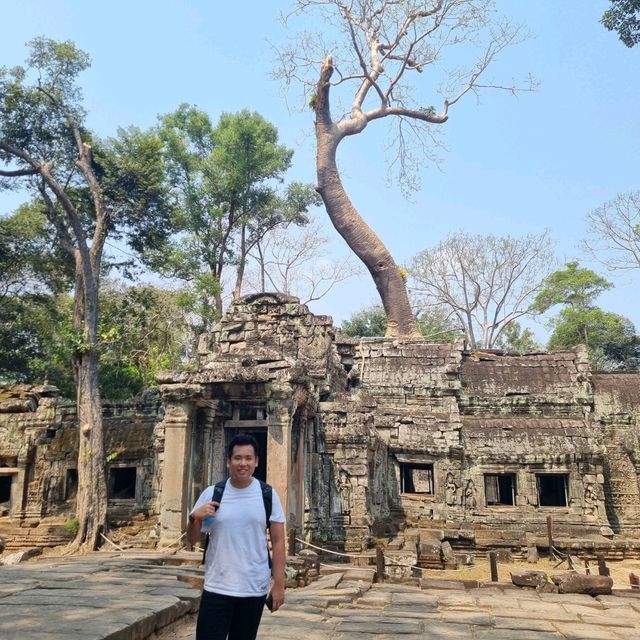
(401, 441)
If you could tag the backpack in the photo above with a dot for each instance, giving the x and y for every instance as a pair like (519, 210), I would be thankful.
(267, 499)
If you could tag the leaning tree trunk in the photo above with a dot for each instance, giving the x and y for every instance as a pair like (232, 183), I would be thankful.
(350, 225)
(91, 500)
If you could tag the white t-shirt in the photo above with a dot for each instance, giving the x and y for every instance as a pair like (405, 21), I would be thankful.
(237, 562)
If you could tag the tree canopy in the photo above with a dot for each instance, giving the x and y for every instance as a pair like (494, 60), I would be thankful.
(224, 180)
(623, 16)
(371, 322)
(609, 337)
(88, 189)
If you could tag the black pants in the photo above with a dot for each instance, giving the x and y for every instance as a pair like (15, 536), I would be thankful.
(221, 617)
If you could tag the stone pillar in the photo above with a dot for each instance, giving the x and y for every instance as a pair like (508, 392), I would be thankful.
(279, 454)
(175, 478)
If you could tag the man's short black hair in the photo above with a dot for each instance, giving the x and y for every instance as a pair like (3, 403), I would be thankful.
(241, 440)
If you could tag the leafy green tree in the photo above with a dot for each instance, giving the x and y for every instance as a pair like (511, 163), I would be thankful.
(35, 345)
(144, 330)
(573, 286)
(89, 189)
(623, 16)
(224, 180)
(34, 307)
(30, 260)
(610, 338)
(366, 323)
(372, 322)
(514, 338)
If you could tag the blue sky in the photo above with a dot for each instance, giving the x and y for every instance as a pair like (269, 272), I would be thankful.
(513, 165)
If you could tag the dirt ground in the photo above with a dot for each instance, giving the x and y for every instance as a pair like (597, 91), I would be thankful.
(184, 629)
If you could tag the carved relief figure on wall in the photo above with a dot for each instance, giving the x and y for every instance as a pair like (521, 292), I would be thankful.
(451, 490)
(591, 499)
(344, 489)
(470, 500)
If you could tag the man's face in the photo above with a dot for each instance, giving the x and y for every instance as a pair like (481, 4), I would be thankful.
(242, 464)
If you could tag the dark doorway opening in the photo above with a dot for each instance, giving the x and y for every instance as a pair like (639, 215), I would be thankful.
(122, 483)
(5, 488)
(260, 434)
(71, 484)
(552, 490)
(500, 489)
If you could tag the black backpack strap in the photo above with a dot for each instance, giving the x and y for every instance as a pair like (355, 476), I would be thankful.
(267, 499)
(216, 496)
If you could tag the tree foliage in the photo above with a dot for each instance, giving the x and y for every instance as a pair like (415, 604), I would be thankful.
(610, 338)
(485, 282)
(516, 338)
(224, 180)
(573, 286)
(30, 259)
(144, 329)
(623, 16)
(88, 189)
(614, 232)
(364, 65)
(371, 322)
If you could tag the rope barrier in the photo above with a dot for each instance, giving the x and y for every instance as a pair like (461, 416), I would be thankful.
(111, 542)
(172, 543)
(388, 561)
(335, 553)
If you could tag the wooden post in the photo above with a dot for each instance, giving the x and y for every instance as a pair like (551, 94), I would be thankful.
(379, 564)
(550, 535)
(603, 570)
(493, 563)
(292, 542)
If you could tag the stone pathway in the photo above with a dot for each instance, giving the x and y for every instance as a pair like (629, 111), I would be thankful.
(94, 597)
(133, 597)
(344, 607)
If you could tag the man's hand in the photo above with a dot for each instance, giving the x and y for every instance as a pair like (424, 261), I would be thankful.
(207, 510)
(277, 596)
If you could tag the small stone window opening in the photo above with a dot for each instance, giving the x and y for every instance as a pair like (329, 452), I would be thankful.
(122, 483)
(500, 489)
(5, 488)
(251, 412)
(71, 484)
(416, 478)
(552, 489)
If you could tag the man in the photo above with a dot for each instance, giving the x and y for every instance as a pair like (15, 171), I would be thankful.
(237, 574)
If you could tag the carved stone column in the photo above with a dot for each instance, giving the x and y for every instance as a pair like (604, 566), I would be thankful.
(177, 449)
(279, 454)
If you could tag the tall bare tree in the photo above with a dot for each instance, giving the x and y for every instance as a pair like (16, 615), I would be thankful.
(380, 45)
(486, 282)
(614, 233)
(295, 261)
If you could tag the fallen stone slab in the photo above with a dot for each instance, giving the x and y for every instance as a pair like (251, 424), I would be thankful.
(578, 583)
(20, 556)
(531, 579)
(436, 583)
